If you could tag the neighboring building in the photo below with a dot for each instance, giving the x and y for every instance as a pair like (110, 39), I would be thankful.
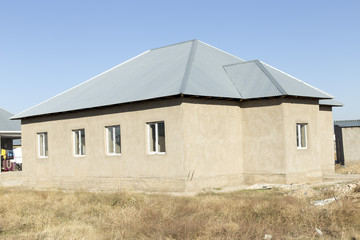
(180, 118)
(10, 133)
(347, 138)
(10, 130)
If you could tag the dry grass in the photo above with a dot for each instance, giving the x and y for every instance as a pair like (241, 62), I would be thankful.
(349, 168)
(245, 214)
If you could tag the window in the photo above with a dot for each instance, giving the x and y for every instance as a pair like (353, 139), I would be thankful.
(43, 144)
(79, 142)
(301, 135)
(113, 140)
(156, 133)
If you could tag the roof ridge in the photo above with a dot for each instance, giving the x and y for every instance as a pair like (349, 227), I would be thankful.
(221, 50)
(224, 67)
(174, 44)
(47, 100)
(238, 63)
(331, 96)
(272, 79)
(188, 66)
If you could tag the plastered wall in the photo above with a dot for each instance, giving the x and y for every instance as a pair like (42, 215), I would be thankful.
(209, 144)
(263, 141)
(326, 133)
(302, 165)
(134, 160)
(351, 143)
(213, 142)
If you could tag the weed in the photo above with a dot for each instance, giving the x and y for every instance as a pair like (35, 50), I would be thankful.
(246, 214)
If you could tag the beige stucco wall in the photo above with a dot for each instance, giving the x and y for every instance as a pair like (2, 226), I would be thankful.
(134, 161)
(326, 133)
(270, 152)
(263, 141)
(203, 147)
(351, 143)
(302, 165)
(209, 144)
(213, 143)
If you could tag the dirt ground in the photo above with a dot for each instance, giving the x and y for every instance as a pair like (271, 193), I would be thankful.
(349, 168)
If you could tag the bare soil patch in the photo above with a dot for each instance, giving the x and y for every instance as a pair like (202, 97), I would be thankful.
(349, 168)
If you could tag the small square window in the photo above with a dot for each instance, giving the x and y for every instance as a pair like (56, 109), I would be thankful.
(156, 137)
(43, 144)
(79, 142)
(113, 140)
(301, 138)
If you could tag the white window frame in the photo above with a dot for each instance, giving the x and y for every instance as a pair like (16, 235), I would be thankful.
(299, 137)
(44, 145)
(114, 142)
(156, 138)
(79, 141)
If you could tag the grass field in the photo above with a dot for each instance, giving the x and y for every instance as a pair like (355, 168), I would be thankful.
(247, 214)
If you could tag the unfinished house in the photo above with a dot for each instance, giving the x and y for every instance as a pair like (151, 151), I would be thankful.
(180, 118)
(347, 138)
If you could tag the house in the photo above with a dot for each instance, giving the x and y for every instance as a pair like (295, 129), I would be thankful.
(9, 130)
(10, 135)
(347, 138)
(180, 118)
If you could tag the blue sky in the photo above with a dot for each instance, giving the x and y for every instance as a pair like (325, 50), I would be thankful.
(47, 47)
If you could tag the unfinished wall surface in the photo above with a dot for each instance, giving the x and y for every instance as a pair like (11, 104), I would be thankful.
(351, 143)
(213, 143)
(270, 149)
(302, 165)
(326, 134)
(209, 144)
(134, 168)
(263, 141)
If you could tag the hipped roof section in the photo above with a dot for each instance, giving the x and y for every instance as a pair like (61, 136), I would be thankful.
(6, 125)
(189, 68)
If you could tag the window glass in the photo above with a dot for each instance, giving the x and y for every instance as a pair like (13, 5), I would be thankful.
(301, 140)
(161, 138)
(110, 141)
(303, 135)
(156, 139)
(117, 139)
(79, 142)
(82, 148)
(152, 140)
(43, 144)
(113, 140)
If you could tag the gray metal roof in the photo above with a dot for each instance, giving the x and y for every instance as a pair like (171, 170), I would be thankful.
(256, 79)
(330, 102)
(190, 68)
(7, 125)
(347, 123)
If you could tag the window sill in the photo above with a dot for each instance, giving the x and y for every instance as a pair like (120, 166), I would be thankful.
(113, 154)
(156, 153)
(79, 156)
(40, 157)
(301, 148)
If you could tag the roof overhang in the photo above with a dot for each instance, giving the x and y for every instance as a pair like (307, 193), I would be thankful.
(10, 133)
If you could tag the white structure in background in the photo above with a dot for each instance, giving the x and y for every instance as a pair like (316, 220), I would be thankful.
(17, 155)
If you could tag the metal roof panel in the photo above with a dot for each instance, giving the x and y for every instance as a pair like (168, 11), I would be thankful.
(191, 68)
(347, 123)
(251, 81)
(293, 86)
(7, 125)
